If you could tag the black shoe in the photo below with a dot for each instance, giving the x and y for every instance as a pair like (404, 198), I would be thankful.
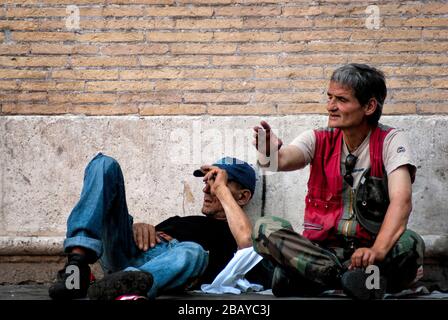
(288, 284)
(121, 283)
(66, 285)
(354, 285)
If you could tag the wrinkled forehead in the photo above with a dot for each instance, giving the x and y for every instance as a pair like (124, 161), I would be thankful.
(340, 89)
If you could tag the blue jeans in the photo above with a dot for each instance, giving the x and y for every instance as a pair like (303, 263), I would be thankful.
(100, 222)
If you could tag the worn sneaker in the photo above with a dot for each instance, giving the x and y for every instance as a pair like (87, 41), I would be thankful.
(121, 283)
(354, 285)
(73, 280)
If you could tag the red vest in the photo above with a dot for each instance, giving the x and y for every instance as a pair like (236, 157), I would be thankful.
(324, 207)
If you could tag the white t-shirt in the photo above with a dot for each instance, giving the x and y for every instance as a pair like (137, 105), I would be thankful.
(396, 152)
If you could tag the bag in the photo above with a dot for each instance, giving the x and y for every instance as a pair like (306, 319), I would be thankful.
(371, 201)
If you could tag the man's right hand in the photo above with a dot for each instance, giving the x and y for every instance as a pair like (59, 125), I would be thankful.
(145, 236)
(272, 141)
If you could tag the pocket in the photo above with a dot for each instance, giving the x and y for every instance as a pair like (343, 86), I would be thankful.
(320, 218)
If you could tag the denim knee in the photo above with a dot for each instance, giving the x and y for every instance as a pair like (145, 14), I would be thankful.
(193, 256)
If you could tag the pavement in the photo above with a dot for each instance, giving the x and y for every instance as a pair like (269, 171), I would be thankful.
(40, 292)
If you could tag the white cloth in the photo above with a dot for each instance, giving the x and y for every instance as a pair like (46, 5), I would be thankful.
(231, 278)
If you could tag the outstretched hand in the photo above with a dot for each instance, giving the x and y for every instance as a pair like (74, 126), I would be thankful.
(272, 141)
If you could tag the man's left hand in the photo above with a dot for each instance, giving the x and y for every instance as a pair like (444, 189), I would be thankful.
(363, 257)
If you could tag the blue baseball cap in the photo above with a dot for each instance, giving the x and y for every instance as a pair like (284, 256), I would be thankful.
(237, 170)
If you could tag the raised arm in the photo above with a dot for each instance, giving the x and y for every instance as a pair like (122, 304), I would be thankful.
(271, 153)
(239, 223)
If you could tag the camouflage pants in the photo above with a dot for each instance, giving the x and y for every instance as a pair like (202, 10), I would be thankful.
(275, 239)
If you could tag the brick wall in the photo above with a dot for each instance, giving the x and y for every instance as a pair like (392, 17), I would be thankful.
(219, 57)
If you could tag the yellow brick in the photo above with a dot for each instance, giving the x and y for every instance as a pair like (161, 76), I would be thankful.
(139, 1)
(85, 74)
(124, 11)
(435, 34)
(54, 2)
(188, 85)
(154, 97)
(8, 49)
(172, 109)
(216, 97)
(439, 83)
(179, 11)
(22, 12)
(414, 9)
(314, 35)
(259, 85)
(415, 71)
(387, 34)
(312, 59)
(245, 60)
(177, 48)
(20, 25)
(238, 85)
(11, 61)
(130, 49)
(38, 48)
(104, 61)
(81, 98)
(117, 24)
(316, 11)
(52, 85)
(288, 97)
(33, 109)
(416, 22)
(241, 11)
(429, 46)
(209, 24)
(106, 110)
(20, 97)
(341, 46)
(299, 108)
(244, 109)
(119, 86)
(174, 60)
(277, 23)
(432, 108)
(111, 37)
(400, 108)
(340, 23)
(406, 83)
(217, 73)
(43, 36)
(272, 47)
(289, 72)
(420, 95)
(179, 36)
(22, 74)
(381, 58)
(309, 84)
(52, 25)
(185, 74)
(246, 36)
(9, 85)
(433, 59)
